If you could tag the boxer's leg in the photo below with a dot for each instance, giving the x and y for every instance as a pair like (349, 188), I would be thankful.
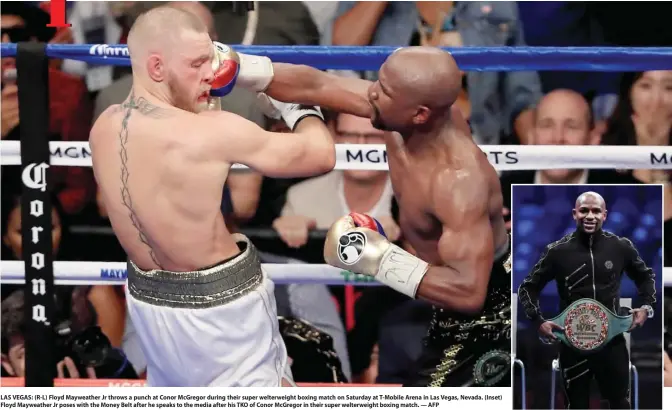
(271, 330)
(612, 371)
(576, 376)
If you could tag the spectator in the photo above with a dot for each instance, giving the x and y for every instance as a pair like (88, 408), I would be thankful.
(318, 202)
(643, 116)
(499, 103)
(69, 106)
(74, 326)
(92, 23)
(563, 117)
(322, 13)
(271, 23)
(107, 306)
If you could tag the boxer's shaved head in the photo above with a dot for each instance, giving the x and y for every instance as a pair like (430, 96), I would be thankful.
(171, 55)
(415, 86)
(429, 76)
(160, 28)
(590, 212)
(590, 196)
(199, 10)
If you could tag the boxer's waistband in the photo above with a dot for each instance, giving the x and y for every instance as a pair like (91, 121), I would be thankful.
(213, 286)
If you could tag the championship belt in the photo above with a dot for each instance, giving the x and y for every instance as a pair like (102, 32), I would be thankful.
(589, 325)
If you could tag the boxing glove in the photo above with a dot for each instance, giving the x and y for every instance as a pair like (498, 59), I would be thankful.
(226, 66)
(291, 113)
(231, 68)
(357, 242)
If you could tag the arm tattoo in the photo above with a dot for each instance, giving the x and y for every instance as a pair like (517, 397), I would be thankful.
(146, 108)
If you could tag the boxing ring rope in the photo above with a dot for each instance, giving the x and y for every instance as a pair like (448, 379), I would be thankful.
(371, 57)
(373, 156)
(114, 273)
(349, 156)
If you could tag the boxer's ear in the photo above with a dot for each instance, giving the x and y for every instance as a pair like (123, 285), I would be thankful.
(421, 116)
(155, 68)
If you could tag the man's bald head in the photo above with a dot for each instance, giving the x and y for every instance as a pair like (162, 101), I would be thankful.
(568, 105)
(590, 197)
(416, 87)
(590, 212)
(427, 75)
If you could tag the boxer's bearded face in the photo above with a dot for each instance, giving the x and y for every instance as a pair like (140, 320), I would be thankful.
(181, 95)
(191, 74)
(589, 214)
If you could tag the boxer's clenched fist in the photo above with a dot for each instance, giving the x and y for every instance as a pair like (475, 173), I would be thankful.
(226, 65)
(291, 113)
(357, 242)
(231, 68)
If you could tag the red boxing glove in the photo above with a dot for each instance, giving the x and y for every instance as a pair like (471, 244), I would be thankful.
(367, 221)
(227, 66)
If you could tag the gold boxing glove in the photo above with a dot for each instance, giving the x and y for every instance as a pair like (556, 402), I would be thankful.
(357, 242)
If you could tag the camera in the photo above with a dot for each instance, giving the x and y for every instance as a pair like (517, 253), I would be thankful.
(91, 348)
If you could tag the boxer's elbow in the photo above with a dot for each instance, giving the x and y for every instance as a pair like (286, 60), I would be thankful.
(315, 157)
(476, 301)
(323, 158)
(450, 289)
(471, 301)
(329, 158)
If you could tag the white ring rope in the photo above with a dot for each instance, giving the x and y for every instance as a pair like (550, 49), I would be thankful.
(114, 273)
(373, 157)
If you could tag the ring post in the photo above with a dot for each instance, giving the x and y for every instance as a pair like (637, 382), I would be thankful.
(32, 67)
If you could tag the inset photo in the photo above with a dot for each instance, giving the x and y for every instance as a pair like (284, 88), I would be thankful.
(588, 272)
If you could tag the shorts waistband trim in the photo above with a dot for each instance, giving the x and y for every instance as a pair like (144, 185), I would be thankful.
(214, 286)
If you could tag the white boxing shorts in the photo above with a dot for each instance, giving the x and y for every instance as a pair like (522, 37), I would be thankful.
(213, 327)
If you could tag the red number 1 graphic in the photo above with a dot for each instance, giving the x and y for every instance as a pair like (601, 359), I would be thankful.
(57, 13)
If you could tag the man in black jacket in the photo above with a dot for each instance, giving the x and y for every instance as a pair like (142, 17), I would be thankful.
(588, 263)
